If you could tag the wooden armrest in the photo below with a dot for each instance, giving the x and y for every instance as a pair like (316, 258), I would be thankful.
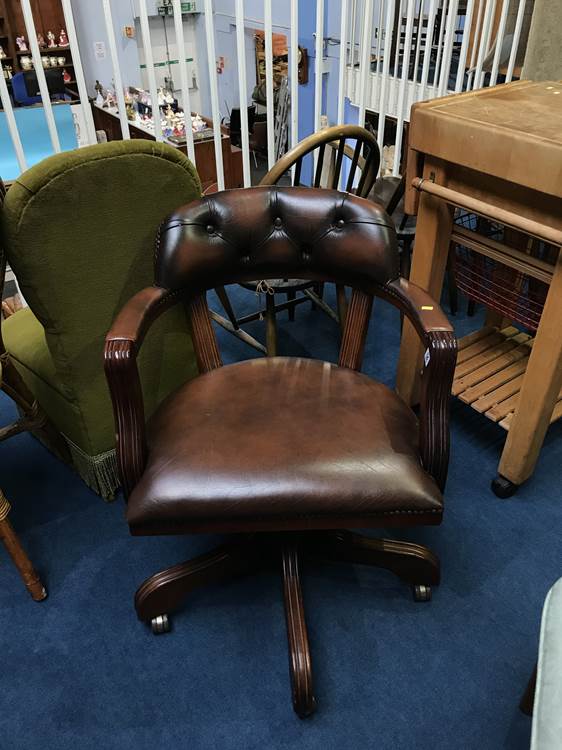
(120, 354)
(420, 308)
(438, 368)
(139, 312)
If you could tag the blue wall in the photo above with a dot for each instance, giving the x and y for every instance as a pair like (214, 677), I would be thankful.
(90, 27)
(225, 45)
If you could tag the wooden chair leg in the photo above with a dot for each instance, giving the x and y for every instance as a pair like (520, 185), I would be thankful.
(319, 291)
(291, 295)
(413, 563)
(166, 591)
(300, 666)
(271, 326)
(406, 258)
(221, 293)
(342, 304)
(18, 555)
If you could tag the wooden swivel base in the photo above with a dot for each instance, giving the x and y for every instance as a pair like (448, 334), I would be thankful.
(166, 591)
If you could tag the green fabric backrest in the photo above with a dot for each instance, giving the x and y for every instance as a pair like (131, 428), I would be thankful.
(78, 229)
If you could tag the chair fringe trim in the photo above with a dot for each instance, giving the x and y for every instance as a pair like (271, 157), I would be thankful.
(98, 472)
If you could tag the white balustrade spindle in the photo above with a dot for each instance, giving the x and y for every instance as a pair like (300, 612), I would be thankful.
(116, 69)
(40, 73)
(212, 66)
(149, 61)
(184, 79)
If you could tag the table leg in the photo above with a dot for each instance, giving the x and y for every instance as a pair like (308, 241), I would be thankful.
(17, 553)
(429, 260)
(539, 391)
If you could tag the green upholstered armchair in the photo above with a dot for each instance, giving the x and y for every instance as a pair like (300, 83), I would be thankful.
(78, 230)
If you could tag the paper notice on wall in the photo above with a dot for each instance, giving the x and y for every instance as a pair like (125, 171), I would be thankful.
(99, 50)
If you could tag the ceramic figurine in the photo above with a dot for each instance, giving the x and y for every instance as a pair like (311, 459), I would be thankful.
(41, 41)
(110, 100)
(197, 123)
(2, 53)
(22, 44)
(66, 77)
(51, 38)
(63, 39)
(99, 98)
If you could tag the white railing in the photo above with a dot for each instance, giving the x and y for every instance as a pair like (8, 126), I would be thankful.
(379, 56)
(434, 52)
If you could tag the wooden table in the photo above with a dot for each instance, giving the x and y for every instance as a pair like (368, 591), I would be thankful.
(108, 121)
(497, 153)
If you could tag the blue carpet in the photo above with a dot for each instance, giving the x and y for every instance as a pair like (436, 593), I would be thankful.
(79, 671)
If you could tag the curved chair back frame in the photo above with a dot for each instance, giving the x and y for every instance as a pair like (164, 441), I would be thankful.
(335, 138)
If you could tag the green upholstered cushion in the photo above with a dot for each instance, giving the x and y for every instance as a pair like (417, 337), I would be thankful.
(78, 230)
(24, 338)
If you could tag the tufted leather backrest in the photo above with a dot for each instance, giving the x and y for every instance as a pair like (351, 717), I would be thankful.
(276, 232)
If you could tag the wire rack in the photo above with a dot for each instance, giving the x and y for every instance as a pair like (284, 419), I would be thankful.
(514, 294)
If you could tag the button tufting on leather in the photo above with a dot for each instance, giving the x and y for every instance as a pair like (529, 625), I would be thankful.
(246, 259)
(210, 229)
(278, 223)
(340, 223)
(305, 255)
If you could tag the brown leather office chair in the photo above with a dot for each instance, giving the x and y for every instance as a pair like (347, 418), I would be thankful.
(282, 452)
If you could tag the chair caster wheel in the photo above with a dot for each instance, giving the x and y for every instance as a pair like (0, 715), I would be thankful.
(160, 624)
(422, 593)
(503, 488)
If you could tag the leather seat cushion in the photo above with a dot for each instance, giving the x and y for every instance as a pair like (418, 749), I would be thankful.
(281, 443)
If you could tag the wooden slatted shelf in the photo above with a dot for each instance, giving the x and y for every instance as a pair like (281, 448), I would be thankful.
(490, 370)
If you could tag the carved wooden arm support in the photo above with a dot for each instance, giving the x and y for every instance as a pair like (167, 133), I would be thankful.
(122, 345)
(440, 358)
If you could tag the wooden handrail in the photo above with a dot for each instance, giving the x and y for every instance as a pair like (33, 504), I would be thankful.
(455, 198)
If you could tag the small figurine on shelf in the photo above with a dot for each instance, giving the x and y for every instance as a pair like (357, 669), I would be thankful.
(66, 77)
(110, 100)
(129, 106)
(2, 53)
(22, 44)
(99, 98)
(41, 41)
(51, 38)
(197, 123)
(63, 39)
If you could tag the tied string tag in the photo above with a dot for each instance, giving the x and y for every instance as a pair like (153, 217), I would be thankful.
(263, 287)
